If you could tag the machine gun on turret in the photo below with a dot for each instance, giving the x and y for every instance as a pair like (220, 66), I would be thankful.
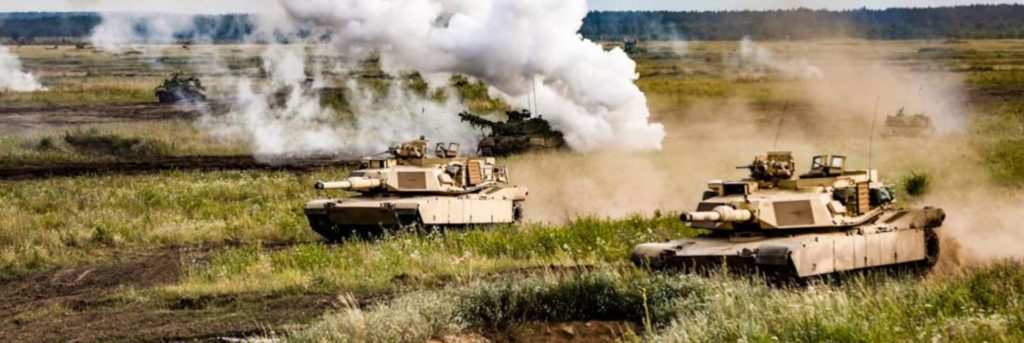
(408, 186)
(828, 220)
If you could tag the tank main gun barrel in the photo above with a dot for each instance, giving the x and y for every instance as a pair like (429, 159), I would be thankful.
(476, 120)
(350, 184)
(719, 214)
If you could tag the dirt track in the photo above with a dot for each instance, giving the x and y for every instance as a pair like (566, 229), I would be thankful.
(149, 165)
(16, 117)
(81, 304)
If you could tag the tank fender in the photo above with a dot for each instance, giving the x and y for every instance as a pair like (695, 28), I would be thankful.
(777, 254)
(407, 208)
(933, 217)
(511, 193)
(655, 255)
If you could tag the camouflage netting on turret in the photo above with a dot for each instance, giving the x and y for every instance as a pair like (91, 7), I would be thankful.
(520, 133)
(178, 90)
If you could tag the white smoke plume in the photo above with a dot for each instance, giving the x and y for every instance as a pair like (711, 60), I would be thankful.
(117, 30)
(753, 61)
(12, 77)
(585, 91)
(285, 118)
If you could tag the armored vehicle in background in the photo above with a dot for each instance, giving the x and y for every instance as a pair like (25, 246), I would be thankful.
(629, 44)
(519, 134)
(409, 188)
(903, 125)
(181, 90)
(826, 221)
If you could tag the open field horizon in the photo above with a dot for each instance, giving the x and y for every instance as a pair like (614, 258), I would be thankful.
(197, 254)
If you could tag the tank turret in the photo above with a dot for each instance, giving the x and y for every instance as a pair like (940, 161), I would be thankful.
(829, 219)
(407, 186)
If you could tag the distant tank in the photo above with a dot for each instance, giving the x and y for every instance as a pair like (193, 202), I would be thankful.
(408, 188)
(181, 90)
(776, 223)
(629, 44)
(903, 125)
(519, 134)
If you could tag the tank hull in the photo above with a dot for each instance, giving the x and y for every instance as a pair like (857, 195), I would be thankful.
(804, 255)
(179, 96)
(364, 216)
(512, 145)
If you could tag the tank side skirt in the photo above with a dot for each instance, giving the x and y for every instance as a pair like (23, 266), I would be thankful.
(809, 256)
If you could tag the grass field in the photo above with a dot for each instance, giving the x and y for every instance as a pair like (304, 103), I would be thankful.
(189, 255)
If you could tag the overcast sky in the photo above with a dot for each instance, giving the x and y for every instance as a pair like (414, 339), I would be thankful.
(222, 6)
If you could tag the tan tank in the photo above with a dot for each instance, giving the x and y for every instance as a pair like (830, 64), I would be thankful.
(826, 221)
(410, 188)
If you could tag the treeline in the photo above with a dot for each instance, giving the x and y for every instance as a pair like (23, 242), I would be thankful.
(27, 28)
(977, 21)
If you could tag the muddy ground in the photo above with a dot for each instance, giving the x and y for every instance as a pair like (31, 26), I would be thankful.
(108, 303)
(19, 117)
(89, 303)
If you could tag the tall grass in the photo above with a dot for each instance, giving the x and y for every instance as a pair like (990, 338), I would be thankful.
(45, 223)
(410, 259)
(982, 305)
(170, 137)
(607, 294)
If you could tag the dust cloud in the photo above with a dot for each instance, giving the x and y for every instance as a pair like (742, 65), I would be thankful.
(754, 61)
(832, 114)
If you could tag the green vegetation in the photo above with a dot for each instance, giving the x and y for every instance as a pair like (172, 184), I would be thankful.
(917, 184)
(1005, 158)
(475, 95)
(983, 305)
(410, 258)
(248, 241)
(93, 142)
(62, 221)
(92, 95)
(976, 21)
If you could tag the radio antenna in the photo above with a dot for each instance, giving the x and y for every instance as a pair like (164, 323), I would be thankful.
(419, 123)
(871, 139)
(534, 86)
(778, 130)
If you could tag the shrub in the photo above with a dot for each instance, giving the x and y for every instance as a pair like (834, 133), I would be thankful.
(583, 297)
(46, 144)
(93, 142)
(917, 184)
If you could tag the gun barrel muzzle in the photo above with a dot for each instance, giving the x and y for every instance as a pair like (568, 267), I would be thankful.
(718, 214)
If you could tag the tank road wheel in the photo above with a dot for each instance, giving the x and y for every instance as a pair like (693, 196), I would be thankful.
(517, 211)
(409, 221)
(330, 232)
(781, 276)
